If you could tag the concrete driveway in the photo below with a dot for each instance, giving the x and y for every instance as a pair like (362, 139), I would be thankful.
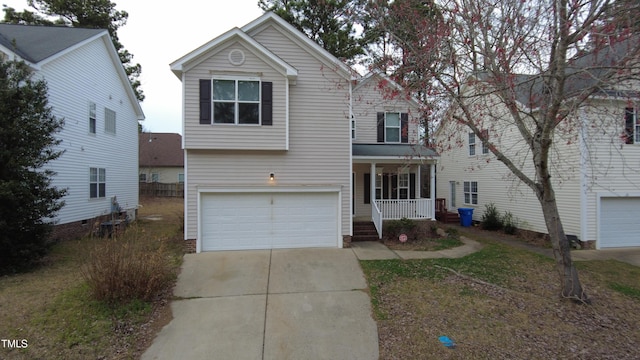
(269, 304)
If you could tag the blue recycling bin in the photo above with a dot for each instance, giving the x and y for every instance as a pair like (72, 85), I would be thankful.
(466, 216)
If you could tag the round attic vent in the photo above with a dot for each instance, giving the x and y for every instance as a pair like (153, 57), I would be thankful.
(236, 57)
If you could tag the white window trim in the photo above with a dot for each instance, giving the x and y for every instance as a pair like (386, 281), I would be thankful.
(400, 175)
(477, 143)
(236, 102)
(98, 182)
(471, 150)
(93, 117)
(470, 192)
(399, 127)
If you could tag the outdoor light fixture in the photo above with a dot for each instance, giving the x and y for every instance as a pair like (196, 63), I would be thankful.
(272, 176)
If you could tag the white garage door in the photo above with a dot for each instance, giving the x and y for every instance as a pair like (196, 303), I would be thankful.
(619, 219)
(236, 221)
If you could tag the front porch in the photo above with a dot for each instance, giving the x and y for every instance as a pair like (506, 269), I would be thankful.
(391, 182)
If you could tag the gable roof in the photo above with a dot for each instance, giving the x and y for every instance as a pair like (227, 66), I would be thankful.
(388, 82)
(160, 150)
(268, 18)
(38, 45)
(235, 34)
(583, 72)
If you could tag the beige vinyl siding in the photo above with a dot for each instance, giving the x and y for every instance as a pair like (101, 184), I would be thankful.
(227, 136)
(368, 100)
(319, 145)
(166, 174)
(612, 168)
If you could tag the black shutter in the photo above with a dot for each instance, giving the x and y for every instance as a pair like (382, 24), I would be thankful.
(385, 186)
(629, 125)
(412, 186)
(380, 127)
(394, 186)
(267, 103)
(367, 188)
(404, 128)
(205, 101)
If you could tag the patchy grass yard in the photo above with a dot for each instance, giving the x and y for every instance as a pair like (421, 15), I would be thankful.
(51, 307)
(502, 303)
(422, 235)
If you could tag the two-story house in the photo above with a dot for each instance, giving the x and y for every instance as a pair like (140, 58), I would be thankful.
(89, 89)
(595, 161)
(279, 136)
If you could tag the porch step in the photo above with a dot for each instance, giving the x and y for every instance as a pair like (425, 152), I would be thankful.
(447, 217)
(364, 231)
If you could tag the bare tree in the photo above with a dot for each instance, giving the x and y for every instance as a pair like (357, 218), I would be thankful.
(529, 64)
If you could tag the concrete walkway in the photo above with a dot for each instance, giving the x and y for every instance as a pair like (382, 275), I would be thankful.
(269, 304)
(373, 250)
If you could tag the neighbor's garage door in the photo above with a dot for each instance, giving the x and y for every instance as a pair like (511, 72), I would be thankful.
(619, 222)
(235, 221)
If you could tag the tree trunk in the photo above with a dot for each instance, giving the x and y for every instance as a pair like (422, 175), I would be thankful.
(570, 283)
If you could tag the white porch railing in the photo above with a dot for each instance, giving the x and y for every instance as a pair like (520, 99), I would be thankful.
(395, 209)
(376, 217)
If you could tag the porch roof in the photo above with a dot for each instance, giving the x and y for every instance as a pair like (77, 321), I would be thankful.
(393, 151)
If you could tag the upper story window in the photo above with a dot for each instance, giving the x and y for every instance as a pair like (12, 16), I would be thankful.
(109, 121)
(473, 142)
(631, 126)
(236, 101)
(92, 118)
(239, 101)
(353, 127)
(393, 127)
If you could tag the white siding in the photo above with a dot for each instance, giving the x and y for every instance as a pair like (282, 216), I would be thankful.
(75, 79)
(612, 168)
(319, 145)
(369, 98)
(496, 183)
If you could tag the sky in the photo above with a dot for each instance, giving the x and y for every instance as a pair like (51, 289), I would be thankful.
(157, 35)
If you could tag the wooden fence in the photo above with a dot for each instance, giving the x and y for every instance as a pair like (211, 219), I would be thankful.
(155, 189)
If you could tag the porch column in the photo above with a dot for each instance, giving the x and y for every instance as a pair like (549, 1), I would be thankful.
(432, 177)
(372, 183)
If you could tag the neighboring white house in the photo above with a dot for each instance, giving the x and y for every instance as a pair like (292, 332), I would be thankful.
(161, 158)
(89, 89)
(269, 118)
(595, 166)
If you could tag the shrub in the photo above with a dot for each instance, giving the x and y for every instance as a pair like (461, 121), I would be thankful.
(403, 226)
(128, 268)
(510, 223)
(491, 219)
